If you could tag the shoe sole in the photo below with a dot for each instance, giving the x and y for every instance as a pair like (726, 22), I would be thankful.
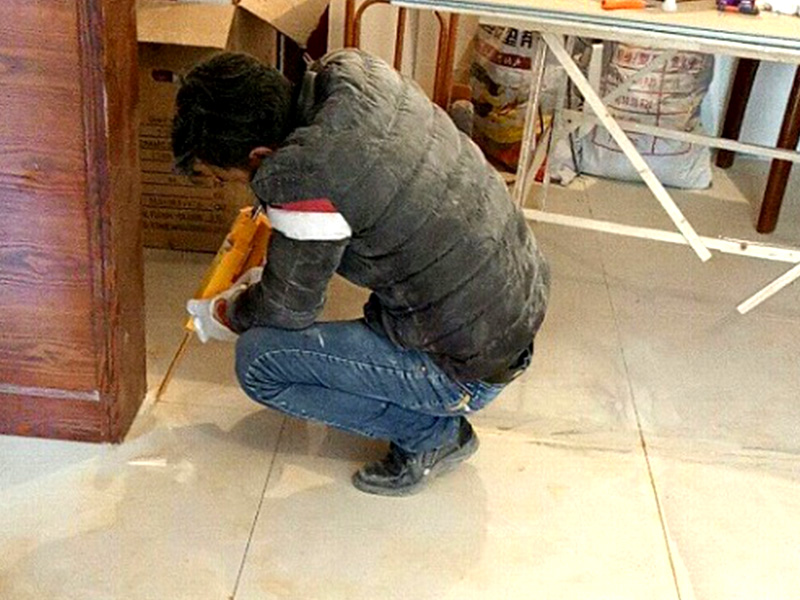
(445, 465)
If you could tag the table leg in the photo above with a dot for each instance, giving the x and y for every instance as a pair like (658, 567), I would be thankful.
(746, 70)
(780, 169)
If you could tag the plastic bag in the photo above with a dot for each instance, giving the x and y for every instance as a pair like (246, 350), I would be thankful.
(500, 75)
(670, 97)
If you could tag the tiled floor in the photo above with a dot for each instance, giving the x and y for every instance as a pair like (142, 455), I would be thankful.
(652, 451)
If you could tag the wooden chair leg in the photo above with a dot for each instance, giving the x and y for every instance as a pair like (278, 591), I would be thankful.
(349, 23)
(746, 70)
(443, 86)
(445, 54)
(780, 169)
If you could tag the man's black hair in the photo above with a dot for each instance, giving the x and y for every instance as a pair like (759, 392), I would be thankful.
(226, 106)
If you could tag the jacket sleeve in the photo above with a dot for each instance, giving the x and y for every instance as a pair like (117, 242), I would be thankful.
(308, 240)
(298, 185)
(291, 293)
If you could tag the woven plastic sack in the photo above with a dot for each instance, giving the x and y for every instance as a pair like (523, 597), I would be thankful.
(670, 97)
(500, 75)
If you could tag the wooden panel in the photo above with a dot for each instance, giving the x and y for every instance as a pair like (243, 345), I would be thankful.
(45, 286)
(53, 418)
(123, 384)
(71, 298)
(45, 292)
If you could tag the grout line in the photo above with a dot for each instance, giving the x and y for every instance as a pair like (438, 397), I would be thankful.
(640, 431)
(258, 510)
(659, 508)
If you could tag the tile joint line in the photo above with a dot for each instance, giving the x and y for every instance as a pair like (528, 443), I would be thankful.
(258, 510)
(642, 442)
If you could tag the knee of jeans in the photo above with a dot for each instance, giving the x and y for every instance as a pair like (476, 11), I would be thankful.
(247, 351)
(256, 379)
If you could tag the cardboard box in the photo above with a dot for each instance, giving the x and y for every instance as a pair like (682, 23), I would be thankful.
(178, 213)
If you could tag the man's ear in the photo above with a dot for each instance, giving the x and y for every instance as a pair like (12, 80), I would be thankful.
(256, 155)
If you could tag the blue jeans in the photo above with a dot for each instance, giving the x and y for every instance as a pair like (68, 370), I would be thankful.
(348, 376)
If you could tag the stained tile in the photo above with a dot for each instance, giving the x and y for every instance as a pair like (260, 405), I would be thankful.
(518, 521)
(671, 277)
(703, 377)
(734, 526)
(165, 515)
(576, 387)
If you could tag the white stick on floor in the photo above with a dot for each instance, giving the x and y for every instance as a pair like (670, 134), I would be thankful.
(770, 290)
(724, 245)
(590, 96)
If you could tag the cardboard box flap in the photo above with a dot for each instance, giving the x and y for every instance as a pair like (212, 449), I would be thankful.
(296, 19)
(201, 25)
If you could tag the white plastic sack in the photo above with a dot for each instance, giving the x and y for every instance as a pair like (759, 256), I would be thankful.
(671, 98)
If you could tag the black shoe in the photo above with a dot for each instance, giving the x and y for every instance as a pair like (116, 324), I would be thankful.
(403, 473)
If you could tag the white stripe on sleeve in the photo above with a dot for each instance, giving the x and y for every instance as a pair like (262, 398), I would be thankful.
(308, 226)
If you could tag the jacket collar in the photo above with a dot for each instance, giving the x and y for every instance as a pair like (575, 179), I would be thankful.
(304, 105)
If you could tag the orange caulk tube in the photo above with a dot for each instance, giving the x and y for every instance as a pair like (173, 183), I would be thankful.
(622, 4)
(244, 247)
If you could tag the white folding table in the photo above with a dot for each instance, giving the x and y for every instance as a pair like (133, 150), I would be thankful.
(697, 27)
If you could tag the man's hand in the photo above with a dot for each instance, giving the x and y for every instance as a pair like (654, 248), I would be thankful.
(205, 317)
(209, 317)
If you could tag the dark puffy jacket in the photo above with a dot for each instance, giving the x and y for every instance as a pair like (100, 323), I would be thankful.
(378, 185)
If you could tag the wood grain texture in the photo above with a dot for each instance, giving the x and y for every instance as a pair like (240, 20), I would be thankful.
(70, 256)
(44, 264)
(53, 418)
(123, 385)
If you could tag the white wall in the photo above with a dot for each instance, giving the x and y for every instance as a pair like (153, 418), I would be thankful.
(766, 106)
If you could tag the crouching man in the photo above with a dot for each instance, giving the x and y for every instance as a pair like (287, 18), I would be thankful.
(362, 175)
